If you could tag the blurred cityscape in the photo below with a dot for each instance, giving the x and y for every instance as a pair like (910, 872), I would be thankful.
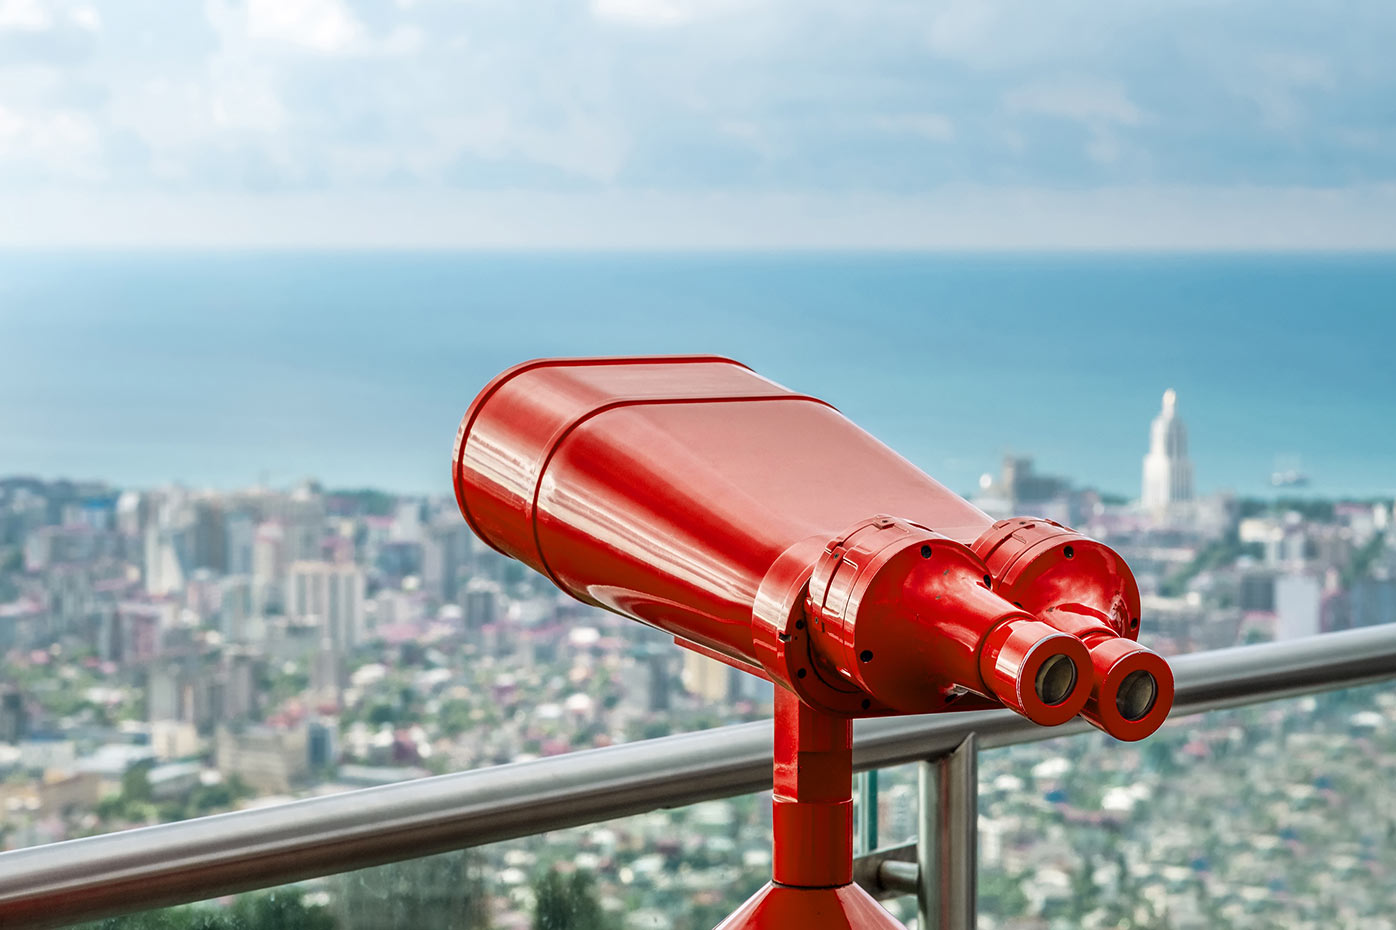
(171, 652)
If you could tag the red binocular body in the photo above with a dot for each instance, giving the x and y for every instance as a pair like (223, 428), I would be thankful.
(762, 528)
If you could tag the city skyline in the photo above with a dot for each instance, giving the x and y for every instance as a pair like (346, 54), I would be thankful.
(167, 654)
(171, 653)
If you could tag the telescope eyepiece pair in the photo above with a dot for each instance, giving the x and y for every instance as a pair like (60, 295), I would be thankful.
(907, 616)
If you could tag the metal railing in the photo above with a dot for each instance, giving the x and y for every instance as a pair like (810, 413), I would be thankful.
(150, 867)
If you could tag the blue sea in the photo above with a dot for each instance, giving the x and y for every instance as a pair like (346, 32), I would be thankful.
(226, 369)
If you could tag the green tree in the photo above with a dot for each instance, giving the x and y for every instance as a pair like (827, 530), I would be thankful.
(1219, 553)
(280, 910)
(209, 799)
(380, 714)
(454, 717)
(174, 918)
(1363, 559)
(566, 902)
(1002, 895)
(445, 892)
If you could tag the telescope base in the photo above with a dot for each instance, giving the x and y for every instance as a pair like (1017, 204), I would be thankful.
(785, 907)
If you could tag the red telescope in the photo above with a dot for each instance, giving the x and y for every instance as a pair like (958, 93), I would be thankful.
(762, 528)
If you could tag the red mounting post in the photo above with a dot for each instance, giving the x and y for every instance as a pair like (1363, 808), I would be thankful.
(812, 816)
(812, 870)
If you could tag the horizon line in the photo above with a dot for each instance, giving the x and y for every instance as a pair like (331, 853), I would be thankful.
(89, 248)
(1279, 494)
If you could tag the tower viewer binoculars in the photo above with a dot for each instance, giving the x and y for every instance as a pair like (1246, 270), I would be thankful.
(762, 528)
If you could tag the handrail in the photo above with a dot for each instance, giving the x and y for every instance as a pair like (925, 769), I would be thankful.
(149, 867)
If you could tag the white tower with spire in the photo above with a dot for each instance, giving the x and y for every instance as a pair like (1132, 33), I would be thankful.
(1167, 469)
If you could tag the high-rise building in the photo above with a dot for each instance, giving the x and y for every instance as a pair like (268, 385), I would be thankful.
(445, 545)
(165, 565)
(268, 565)
(169, 693)
(328, 674)
(240, 532)
(1372, 601)
(267, 758)
(1021, 489)
(481, 603)
(208, 536)
(235, 607)
(130, 513)
(1167, 469)
(322, 741)
(706, 678)
(660, 680)
(14, 717)
(240, 692)
(330, 594)
(1298, 606)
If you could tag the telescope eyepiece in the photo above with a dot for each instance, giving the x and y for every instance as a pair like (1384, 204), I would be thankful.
(1136, 695)
(1056, 679)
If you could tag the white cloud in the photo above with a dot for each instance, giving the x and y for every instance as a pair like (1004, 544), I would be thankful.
(933, 126)
(43, 132)
(1102, 107)
(404, 40)
(170, 117)
(11, 125)
(1104, 147)
(327, 27)
(1090, 101)
(661, 12)
(243, 96)
(1278, 82)
(57, 141)
(580, 144)
(26, 15)
(86, 17)
(1296, 69)
(962, 28)
(690, 95)
(323, 25)
(645, 12)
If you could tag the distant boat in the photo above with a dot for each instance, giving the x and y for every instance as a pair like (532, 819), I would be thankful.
(1288, 473)
(1290, 478)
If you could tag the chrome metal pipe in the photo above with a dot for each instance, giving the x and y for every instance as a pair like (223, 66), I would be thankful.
(947, 849)
(865, 812)
(94, 877)
(150, 867)
(897, 877)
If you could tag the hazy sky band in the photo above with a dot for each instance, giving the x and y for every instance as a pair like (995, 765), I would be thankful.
(697, 123)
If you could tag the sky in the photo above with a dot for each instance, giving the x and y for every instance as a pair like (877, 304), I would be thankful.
(980, 124)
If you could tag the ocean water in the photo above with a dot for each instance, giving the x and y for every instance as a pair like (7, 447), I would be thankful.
(226, 369)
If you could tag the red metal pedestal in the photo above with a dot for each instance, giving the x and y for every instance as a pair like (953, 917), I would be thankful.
(779, 907)
(812, 820)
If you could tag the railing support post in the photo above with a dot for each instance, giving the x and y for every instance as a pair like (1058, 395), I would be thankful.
(865, 812)
(947, 844)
